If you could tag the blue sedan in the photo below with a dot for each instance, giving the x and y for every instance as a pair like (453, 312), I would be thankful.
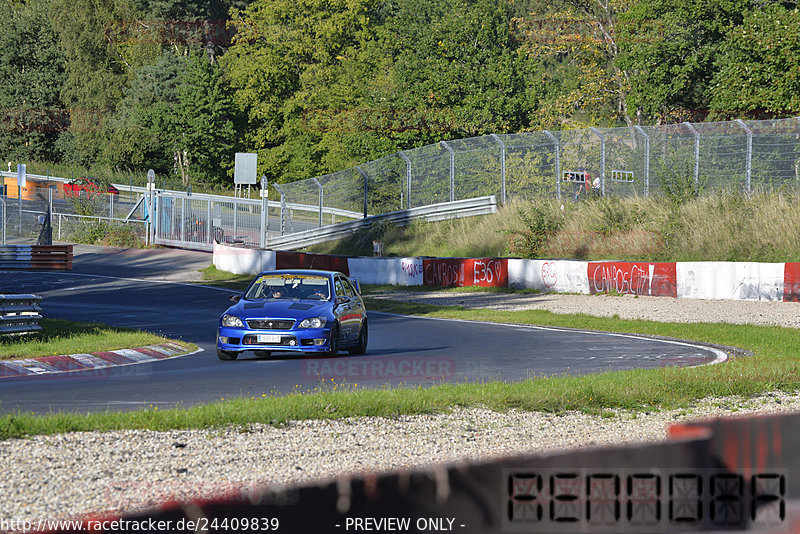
(317, 312)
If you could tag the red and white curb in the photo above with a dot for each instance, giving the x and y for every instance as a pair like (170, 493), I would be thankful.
(95, 360)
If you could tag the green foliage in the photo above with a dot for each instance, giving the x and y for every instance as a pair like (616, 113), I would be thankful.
(541, 221)
(32, 70)
(144, 131)
(206, 115)
(759, 66)
(617, 217)
(319, 86)
(669, 49)
(105, 233)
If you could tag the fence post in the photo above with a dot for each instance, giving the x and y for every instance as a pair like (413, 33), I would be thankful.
(320, 199)
(183, 219)
(408, 182)
(366, 188)
(696, 134)
(3, 221)
(553, 138)
(452, 170)
(209, 223)
(262, 239)
(502, 167)
(602, 160)
(646, 159)
(235, 218)
(749, 163)
(283, 207)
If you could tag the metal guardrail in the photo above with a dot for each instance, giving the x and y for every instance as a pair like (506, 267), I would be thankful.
(55, 257)
(435, 212)
(20, 314)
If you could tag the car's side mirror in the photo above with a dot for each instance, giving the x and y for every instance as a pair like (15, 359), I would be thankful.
(236, 298)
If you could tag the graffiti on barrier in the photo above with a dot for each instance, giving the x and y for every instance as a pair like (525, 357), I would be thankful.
(458, 272)
(657, 279)
(549, 274)
(486, 272)
(412, 268)
(442, 273)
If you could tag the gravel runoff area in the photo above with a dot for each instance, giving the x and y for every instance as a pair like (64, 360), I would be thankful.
(66, 475)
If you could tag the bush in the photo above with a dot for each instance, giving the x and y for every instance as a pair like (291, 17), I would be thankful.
(541, 221)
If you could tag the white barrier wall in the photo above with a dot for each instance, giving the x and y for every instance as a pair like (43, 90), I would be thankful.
(694, 280)
(396, 271)
(549, 275)
(730, 280)
(239, 260)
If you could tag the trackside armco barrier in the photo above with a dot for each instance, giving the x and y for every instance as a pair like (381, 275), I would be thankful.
(693, 280)
(50, 257)
(722, 475)
(20, 314)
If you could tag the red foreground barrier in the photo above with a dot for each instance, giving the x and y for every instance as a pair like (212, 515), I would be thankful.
(722, 475)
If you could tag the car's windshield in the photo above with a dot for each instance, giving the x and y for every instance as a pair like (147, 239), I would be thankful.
(289, 286)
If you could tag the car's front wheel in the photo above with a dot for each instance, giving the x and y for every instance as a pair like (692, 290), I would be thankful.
(226, 355)
(333, 346)
(363, 337)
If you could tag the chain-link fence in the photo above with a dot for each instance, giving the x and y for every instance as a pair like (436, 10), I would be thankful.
(640, 160)
(75, 216)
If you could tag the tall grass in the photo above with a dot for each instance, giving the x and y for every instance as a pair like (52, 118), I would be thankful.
(726, 226)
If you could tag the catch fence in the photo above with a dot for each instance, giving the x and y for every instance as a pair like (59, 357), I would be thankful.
(626, 161)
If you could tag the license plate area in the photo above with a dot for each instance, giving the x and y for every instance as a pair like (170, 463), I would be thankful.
(268, 338)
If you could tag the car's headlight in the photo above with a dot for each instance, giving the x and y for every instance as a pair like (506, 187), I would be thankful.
(315, 322)
(232, 320)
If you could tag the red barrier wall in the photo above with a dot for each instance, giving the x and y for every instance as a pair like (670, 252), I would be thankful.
(459, 272)
(657, 279)
(791, 282)
(303, 260)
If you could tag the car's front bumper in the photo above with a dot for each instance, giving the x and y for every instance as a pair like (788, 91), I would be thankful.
(234, 339)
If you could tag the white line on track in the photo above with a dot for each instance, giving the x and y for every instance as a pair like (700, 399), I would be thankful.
(720, 355)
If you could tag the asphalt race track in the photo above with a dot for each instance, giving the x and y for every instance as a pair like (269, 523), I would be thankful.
(119, 290)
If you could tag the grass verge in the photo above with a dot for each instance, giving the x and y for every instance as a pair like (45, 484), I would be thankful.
(218, 278)
(774, 365)
(59, 337)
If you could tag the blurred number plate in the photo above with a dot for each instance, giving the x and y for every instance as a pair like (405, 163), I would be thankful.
(266, 338)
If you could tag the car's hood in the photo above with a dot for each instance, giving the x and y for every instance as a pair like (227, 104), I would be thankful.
(279, 309)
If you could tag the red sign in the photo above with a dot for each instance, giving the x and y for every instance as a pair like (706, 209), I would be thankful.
(791, 282)
(460, 272)
(656, 279)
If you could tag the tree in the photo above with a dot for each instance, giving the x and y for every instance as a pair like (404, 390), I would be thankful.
(32, 70)
(207, 115)
(284, 62)
(573, 47)
(145, 129)
(759, 66)
(96, 70)
(458, 66)
(670, 48)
